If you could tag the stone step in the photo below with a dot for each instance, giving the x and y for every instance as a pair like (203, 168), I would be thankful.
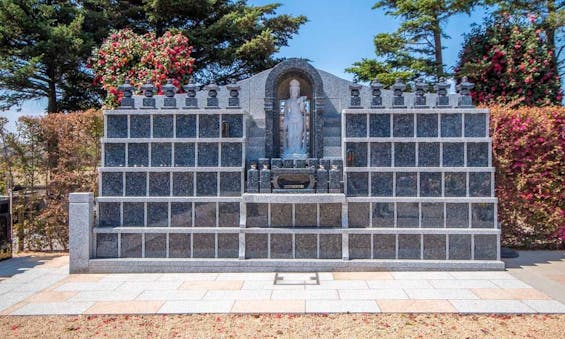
(331, 131)
(332, 151)
(332, 141)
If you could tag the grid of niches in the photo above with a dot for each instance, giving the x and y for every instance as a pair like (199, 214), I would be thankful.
(406, 165)
(159, 165)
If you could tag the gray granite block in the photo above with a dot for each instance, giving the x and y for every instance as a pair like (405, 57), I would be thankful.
(430, 184)
(253, 180)
(136, 184)
(131, 245)
(306, 246)
(209, 126)
(432, 215)
(407, 214)
(161, 154)
(428, 154)
(257, 215)
(459, 247)
(116, 126)
(159, 184)
(162, 126)
(106, 245)
(310, 162)
(299, 163)
(208, 154)
(457, 215)
(287, 163)
(434, 246)
(322, 180)
(486, 247)
(358, 213)
(427, 125)
(281, 246)
(140, 126)
(384, 246)
(453, 154)
(204, 245)
(330, 215)
(356, 125)
(155, 245)
(265, 161)
(235, 123)
(356, 153)
(108, 214)
(179, 245)
(379, 125)
(184, 154)
(479, 184)
(228, 214)
(138, 155)
(114, 155)
(230, 184)
(330, 246)
(204, 214)
(134, 214)
(256, 246)
(403, 125)
(265, 180)
(157, 214)
(409, 246)
(482, 215)
(455, 184)
(451, 125)
(381, 154)
(335, 175)
(112, 184)
(206, 184)
(277, 163)
(404, 154)
(228, 245)
(186, 126)
(383, 214)
(357, 184)
(281, 215)
(181, 214)
(475, 125)
(359, 246)
(324, 162)
(381, 184)
(183, 184)
(231, 154)
(477, 154)
(305, 215)
(406, 184)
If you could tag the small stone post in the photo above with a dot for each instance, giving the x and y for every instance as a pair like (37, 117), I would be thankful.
(170, 90)
(355, 92)
(377, 101)
(81, 222)
(191, 101)
(148, 91)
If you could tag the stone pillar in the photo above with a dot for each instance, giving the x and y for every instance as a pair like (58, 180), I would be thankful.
(81, 222)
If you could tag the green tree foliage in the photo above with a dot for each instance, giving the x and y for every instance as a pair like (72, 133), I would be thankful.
(510, 62)
(416, 47)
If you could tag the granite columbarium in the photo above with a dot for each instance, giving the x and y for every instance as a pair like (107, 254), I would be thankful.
(293, 169)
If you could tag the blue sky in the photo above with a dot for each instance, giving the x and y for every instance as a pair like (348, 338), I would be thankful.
(338, 33)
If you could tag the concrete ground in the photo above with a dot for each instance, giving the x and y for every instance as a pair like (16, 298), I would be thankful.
(533, 283)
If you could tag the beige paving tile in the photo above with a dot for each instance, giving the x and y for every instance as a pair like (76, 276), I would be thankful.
(560, 278)
(128, 307)
(269, 306)
(362, 276)
(417, 306)
(15, 307)
(57, 262)
(212, 285)
(510, 293)
(51, 296)
(84, 277)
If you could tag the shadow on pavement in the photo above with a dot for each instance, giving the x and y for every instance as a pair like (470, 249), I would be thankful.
(533, 258)
(17, 265)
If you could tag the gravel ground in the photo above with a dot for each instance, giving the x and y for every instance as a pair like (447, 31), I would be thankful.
(286, 326)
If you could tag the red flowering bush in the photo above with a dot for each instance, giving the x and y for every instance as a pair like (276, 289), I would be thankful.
(125, 54)
(529, 156)
(510, 63)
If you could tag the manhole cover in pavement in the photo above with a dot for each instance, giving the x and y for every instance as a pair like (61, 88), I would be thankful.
(297, 279)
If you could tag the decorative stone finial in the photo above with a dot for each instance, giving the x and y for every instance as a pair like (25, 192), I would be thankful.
(127, 89)
(355, 91)
(442, 87)
(397, 90)
(420, 93)
(148, 90)
(233, 88)
(190, 101)
(376, 87)
(212, 100)
(464, 89)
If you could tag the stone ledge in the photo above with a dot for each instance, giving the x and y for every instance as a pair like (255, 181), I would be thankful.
(81, 197)
(281, 198)
(434, 110)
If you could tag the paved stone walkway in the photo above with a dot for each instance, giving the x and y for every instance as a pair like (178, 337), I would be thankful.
(45, 287)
